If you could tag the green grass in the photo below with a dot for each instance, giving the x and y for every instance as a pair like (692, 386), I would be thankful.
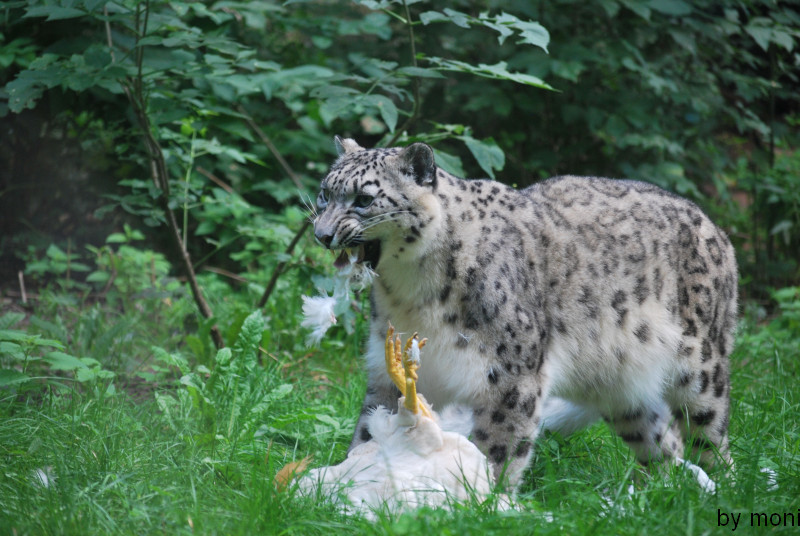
(198, 455)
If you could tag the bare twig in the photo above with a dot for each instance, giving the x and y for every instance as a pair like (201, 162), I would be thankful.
(226, 273)
(21, 278)
(281, 265)
(158, 170)
(213, 178)
(271, 146)
(197, 292)
(292, 175)
(112, 263)
(69, 258)
(415, 110)
(263, 350)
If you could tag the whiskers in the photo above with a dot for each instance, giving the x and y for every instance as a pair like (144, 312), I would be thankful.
(310, 204)
(380, 218)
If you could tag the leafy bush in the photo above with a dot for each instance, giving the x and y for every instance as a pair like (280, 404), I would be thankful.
(27, 357)
(241, 99)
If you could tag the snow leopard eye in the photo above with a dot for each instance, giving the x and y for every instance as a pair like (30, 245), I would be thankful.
(363, 200)
(323, 197)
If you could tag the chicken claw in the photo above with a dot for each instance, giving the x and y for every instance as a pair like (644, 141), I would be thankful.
(402, 363)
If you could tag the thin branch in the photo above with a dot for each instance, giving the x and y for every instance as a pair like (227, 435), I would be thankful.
(293, 176)
(186, 259)
(226, 273)
(271, 146)
(160, 176)
(113, 264)
(281, 265)
(415, 110)
(213, 178)
(22, 292)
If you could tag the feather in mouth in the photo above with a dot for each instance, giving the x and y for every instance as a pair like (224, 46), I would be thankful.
(349, 256)
(353, 269)
(368, 252)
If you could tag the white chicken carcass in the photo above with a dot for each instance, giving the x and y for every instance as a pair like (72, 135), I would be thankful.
(415, 457)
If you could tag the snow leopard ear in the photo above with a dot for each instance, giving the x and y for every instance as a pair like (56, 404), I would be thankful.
(417, 160)
(346, 145)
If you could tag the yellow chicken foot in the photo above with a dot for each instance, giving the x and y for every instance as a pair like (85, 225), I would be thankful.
(394, 363)
(402, 363)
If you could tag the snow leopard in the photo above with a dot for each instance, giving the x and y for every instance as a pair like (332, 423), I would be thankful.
(611, 299)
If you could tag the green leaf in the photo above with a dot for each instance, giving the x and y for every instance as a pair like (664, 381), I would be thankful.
(487, 153)
(280, 392)
(171, 359)
(61, 361)
(428, 17)
(86, 374)
(637, 7)
(98, 277)
(13, 335)
(569, 70)
(52, 329)
(206, 227)
(12, 350)
(531, 33)
(611, 7)
(784, 39)
(133, 234)
(79, 267)
(327, 419)
(782, 226)
(90, 361)
(56, 253)
(386, 108)
(760, 34)
(116, 238)
(91, 5)
(223, 356)
(786, 294)
(671, 7)
(332, 109)
(419, 72)
(54, 12)
(685, 39)
(373, 4)
(247, 343)
(497, 71)
(448, 162)
(10, 319)
(503, 30)
(12, 377)
(456, 17)
(375, 23)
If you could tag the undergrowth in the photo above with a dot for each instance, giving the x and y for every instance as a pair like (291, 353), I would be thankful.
(106, 430)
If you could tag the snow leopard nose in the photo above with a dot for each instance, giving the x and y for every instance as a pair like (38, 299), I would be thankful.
(324, 237)
(325, 228)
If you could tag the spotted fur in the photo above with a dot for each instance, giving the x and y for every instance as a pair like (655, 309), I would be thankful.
(613, 295)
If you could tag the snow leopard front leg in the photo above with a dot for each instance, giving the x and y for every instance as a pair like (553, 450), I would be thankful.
(507, 419)
(379, 393)
(380, 389)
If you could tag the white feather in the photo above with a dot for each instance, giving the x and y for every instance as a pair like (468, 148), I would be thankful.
(319, 312)
(318, 315)
(705, 482)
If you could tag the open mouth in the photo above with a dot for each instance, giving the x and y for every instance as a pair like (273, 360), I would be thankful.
(369, 252)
